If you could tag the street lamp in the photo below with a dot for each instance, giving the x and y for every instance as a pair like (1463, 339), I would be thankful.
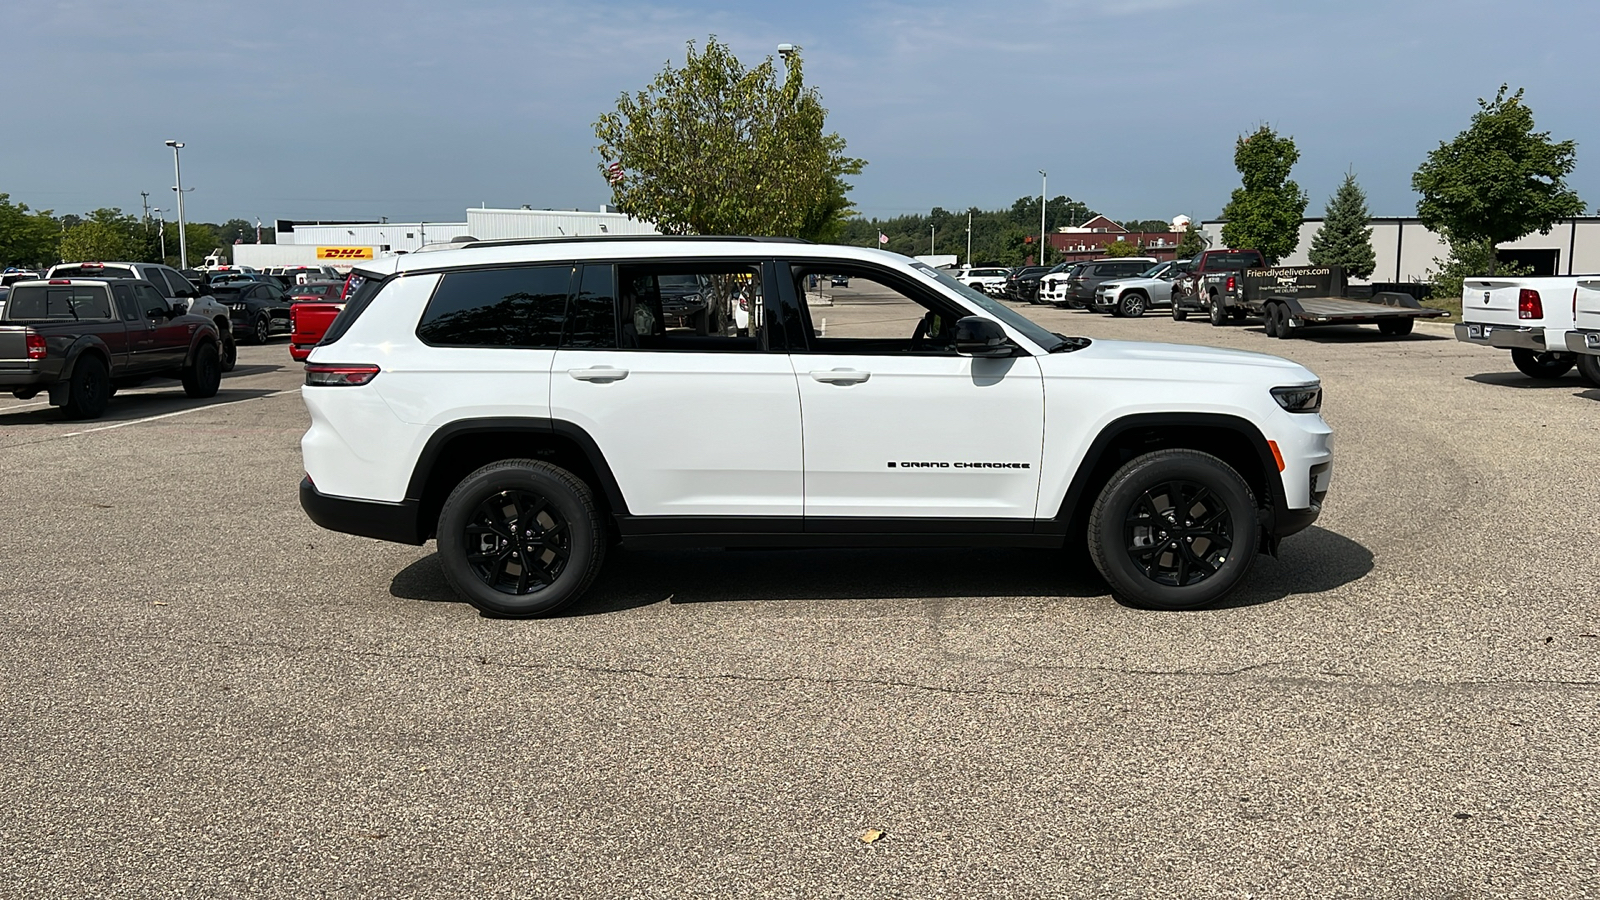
(1044, 181)
(177, 171)
(163, 227)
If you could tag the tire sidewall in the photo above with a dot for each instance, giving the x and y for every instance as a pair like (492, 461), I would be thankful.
(83, 402)
(1107, 543)
(566, 494)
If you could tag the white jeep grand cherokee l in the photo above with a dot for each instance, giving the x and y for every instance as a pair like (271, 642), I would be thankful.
(527, 404)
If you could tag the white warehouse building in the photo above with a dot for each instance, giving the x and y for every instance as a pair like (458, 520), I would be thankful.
(484, 224)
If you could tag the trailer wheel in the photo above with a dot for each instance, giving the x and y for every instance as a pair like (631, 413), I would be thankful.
(1397, 327)
(1541, 365)
(1270, 320)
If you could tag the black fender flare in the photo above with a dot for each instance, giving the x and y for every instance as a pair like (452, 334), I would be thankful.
(87, 343)
(429, 456)
(1092, 461)
(204, 333)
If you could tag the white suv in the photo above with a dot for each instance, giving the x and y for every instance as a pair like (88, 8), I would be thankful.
(527, 404)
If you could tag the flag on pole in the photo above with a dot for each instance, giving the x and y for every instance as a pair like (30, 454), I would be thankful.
(883, 238)
(614, 173)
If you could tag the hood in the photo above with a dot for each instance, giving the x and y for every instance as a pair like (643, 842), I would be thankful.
(1177, 362)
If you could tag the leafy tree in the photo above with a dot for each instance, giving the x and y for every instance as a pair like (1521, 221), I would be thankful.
(1265, 213)
(1345, 238)
(27, 238)
(715, 148)
(203, 239)
(106, 234)
(1147, 226)
(1497, 181)
(1123, 248)
(1467, 259)
(1191, 243)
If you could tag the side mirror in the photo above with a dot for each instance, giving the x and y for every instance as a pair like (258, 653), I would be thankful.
(977, 336)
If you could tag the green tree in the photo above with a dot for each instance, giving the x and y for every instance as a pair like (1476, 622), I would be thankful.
(1147, 226)
(1467, 259)
(715, 148)
(202, 240)
(106, 234)
(1345, 238)
(1265, 213)
(1123, 248)
(1191, 243)
(27, 238)
(1498, 180)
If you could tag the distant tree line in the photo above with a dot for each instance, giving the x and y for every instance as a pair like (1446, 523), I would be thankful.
(36, 238)
(1004, 237)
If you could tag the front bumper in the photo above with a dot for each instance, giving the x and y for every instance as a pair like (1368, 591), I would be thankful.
(1503, 337)
(397, 522)
(1585, 342)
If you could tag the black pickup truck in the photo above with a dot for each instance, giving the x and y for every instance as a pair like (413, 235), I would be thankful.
(82, 339)
(1289, 299)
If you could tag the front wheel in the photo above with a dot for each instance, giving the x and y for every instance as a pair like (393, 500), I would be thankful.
(1541, 365)
(230, 349)
(1132, 306)
(1174, 529)
(521, 538)
(1178, 313)
(204, 377)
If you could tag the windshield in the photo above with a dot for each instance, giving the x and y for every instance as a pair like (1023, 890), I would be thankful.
(1233, 261)
(680, 282)
(1046, 339)
(316, 290)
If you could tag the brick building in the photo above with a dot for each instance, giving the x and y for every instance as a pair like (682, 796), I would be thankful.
(1090, 240)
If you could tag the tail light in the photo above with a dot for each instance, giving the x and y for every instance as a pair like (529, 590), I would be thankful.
(1529, 306)
(1230, 282)
(293, 324)
(36, 348)
(325, 375)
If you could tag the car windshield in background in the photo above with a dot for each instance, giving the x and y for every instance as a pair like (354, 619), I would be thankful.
(315, 290)
(1048, 340)
(680, 282)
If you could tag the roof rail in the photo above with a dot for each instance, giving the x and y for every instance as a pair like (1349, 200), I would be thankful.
(687, 238)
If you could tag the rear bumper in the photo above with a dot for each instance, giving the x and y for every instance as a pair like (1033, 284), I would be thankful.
(1504, 337)
(397, 522)
(300, 352)
(1585, 342)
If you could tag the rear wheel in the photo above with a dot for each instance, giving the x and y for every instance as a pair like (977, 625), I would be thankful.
(1132, 305)
(521, 538)
(262, 332)
(89, 389)
(1219, 316)
(230, 348)
(1541, 365)
(1589, 369)
(1397, 327)
(1174, 529)
(204, 377)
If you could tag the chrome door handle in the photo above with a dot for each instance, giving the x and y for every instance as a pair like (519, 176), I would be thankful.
(840, 376)
(598, 374)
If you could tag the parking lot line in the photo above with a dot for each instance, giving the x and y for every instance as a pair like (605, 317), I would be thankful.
(181, 412)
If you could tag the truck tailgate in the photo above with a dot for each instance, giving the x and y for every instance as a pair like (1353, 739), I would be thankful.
(13, 344)
(1586, 305)
(1495, 301)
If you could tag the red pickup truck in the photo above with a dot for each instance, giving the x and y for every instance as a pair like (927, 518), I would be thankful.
(312, 308)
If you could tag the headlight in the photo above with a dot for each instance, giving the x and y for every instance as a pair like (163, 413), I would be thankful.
(1299, 398)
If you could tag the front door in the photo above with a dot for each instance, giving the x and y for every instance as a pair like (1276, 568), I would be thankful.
(896, 424)
(693, 412)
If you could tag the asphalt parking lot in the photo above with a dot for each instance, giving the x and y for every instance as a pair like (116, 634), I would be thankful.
(206, 695)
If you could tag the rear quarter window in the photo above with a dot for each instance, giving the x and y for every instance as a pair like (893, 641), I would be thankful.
(514, 307)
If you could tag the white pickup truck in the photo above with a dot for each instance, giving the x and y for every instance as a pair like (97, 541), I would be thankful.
(1531, 317)
(1583, 341)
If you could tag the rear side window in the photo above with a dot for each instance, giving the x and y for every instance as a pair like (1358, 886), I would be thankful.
(520, 307)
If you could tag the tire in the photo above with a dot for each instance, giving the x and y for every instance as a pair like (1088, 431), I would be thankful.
(1397, 327)
(262, 331)
(1270, 320)
(230, 348)
(1541, 365)
(1589, 369)
(1179, 314)
(1132, 306)
(1219, 316)
(204, 377)
(479, 534)
(1144, 545)
(89, 390)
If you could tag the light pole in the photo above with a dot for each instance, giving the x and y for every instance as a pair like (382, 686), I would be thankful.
(969, 238)
(144, 197)
(163, 227)
(933, 231)
(183, 237)
(1044, 181)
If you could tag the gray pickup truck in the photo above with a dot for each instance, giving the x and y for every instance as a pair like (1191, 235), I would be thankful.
(82, 339)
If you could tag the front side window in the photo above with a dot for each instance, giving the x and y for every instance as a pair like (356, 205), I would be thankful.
(150, 300)
(515, 307)
(877, 314)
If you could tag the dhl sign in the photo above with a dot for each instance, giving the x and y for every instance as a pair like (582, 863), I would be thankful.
(344, 253)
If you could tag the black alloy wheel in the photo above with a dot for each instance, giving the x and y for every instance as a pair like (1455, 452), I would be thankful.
(1548, 366)
(1174, 529)
(521, 538)
(263, 329)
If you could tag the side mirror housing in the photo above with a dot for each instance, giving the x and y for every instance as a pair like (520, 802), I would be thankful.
(980, 337)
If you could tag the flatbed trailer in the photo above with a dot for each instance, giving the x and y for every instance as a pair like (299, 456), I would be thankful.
(1288, 300)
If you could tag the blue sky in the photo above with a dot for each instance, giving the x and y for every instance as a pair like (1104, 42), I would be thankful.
(416, 110)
